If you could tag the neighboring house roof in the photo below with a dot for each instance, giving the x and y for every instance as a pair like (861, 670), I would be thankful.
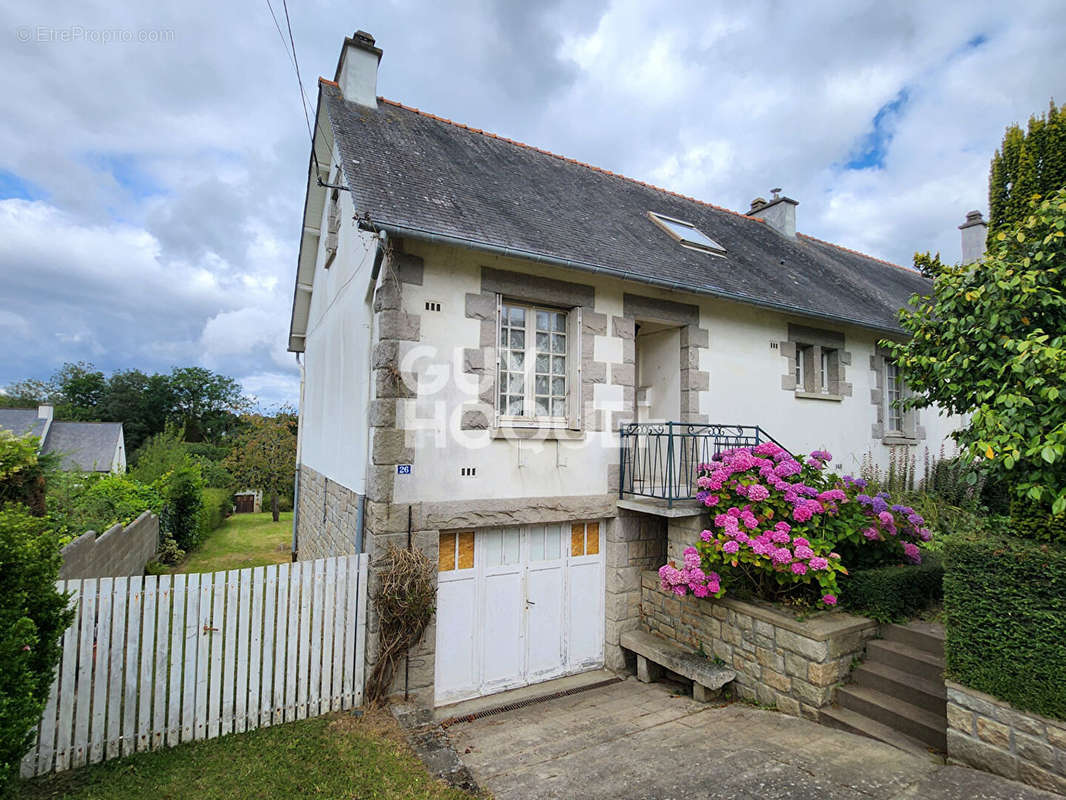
(85, 446)
(415, 174)
(81, 446)
(21, 421)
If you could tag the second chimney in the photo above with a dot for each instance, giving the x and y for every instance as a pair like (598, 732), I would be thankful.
(974, 232)
(357, 69)
(779, 213)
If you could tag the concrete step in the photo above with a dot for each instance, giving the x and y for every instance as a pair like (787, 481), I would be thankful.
(905, 686)
(908, 719)
(905, 658)
(853, 722)
(927, 636)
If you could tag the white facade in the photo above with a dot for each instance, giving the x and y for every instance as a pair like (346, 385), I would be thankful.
(743, 361)
(334, 435)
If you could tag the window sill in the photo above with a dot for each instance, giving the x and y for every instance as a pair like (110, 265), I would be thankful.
(837, 398)
(896, 439)
(534, 432)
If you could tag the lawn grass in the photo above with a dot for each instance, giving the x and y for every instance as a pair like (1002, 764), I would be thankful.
(337, 756)
(242, 540)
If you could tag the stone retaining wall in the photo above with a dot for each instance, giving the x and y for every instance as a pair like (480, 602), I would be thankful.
(116, 552)
(993, 735)
(780, 661)
(329, 513)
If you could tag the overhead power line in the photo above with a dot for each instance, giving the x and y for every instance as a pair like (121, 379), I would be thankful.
(290, 51)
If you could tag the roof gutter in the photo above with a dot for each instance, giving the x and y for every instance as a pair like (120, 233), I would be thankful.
(512, 252)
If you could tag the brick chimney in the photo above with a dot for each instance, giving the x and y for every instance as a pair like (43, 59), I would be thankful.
(357, 69)
(779, 213)
(974, 230)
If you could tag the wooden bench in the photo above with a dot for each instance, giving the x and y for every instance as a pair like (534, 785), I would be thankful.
(654, 653)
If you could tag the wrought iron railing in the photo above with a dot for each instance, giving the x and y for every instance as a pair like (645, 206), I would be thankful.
(661, 459)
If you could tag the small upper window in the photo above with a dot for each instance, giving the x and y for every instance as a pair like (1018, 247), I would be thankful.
(687, 234)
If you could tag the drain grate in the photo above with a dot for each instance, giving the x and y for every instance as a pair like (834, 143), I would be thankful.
(523, 703)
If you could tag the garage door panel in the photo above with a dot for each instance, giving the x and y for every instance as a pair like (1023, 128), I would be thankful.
(456, 660)
(501, 630)
(586, 613)
(544, 621)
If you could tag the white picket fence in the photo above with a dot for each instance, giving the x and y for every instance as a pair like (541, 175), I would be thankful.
(154, 661)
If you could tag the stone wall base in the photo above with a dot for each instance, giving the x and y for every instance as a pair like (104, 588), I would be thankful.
(991, 734)
(635, 542)
(329, 516)
(780, 661)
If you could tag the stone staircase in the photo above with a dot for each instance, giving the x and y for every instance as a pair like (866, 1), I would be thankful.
(897, 694)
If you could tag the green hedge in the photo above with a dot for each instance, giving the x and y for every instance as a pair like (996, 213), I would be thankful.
(218, 503)
(1005, 619)
(1032, 521)
(892, 594)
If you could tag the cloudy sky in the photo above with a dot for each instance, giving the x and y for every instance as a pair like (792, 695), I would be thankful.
(153, 155)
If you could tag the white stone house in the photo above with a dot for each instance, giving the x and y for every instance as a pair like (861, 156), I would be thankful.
(479, 319)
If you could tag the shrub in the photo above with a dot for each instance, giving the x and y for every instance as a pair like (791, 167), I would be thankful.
(790, 528)
(217, 506)
(1034, 521)
(1005, 620)
(82, 502)
(893, 594)
(22, 472)
(32, 617)
(160, 454)
(180, 519)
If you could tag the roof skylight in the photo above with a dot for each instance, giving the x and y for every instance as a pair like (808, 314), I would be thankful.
(687, 234)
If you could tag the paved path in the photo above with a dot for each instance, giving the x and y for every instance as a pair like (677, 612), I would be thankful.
(633, 740)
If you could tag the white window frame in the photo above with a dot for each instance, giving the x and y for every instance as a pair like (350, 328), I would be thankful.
(895, 417)
(571, 399)
(801, 365)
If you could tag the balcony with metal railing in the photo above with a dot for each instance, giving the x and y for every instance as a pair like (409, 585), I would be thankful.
(660, 460)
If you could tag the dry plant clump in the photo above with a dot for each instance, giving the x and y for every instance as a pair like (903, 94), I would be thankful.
(405, 601)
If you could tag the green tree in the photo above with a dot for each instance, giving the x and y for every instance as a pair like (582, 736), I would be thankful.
(205, 404)
(33, 615)
(1030, 162)
(990, 341)
(141, 402)
(80, 390)
(161, 454)
(27, 394)
(264, 455)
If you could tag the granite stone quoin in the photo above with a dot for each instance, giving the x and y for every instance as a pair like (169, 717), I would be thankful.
(780, 661)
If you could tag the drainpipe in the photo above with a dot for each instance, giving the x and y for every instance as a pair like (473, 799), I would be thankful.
(379, 257)
(299, 459)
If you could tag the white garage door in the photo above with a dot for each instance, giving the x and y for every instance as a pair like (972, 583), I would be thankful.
(516, 606)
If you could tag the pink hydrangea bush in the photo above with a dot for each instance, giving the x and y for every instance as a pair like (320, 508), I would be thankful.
(784, 527)
(690, 577)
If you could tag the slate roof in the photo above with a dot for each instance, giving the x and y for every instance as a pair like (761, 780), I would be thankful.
(82, 446)
(410, 169)
(21, 421)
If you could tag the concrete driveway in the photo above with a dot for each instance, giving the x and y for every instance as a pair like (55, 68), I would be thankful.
(634, 740)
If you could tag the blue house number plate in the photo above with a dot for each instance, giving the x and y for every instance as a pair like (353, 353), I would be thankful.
(403, 469)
